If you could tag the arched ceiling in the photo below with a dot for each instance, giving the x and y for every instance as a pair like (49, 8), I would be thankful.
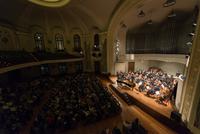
(51, 3)
(90, 14)
(84, 13)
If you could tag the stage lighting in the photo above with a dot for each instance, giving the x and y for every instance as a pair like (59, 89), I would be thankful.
(189, 43)
(192, 34)
(169, 3)
(141, 14)
(194, 24)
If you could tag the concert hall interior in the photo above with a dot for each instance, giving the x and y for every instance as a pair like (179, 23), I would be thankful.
(99, 66)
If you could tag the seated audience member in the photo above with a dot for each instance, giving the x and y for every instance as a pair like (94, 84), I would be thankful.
(126, 127)
(106, 131)
(17, 101)
(142, 87)
(133, 128)
(137, 128)
(116, 130)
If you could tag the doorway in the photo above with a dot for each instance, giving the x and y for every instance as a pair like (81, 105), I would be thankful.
(131, 66)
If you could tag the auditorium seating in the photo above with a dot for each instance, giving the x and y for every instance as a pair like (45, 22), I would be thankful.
(41, 56)
(75, 99)
(67, 104)
(9, 58)
(134, 127)
(17, 102)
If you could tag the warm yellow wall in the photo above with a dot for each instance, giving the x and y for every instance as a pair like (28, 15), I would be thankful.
(24, 40)
(191, 88)
(113, 30)
(9, 34)
(195, 104)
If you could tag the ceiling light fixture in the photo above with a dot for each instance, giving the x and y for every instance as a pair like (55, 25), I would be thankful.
(169, 3)
(192, 34)
(141, 14)
(194, 24)
(189, 43)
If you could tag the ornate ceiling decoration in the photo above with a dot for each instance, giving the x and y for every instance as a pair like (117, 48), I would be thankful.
(50, 3)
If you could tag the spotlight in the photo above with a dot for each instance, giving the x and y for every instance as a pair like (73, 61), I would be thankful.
(169, 3)
(141, 14)
(194, 24)
(189, 43)
(172, 14)
(192, 34)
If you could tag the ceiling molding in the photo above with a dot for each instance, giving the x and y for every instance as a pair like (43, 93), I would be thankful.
(50, 3)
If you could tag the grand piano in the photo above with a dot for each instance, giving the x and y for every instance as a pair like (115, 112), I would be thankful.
(127, 83)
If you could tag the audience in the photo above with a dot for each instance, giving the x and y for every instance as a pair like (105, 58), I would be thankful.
(73, 100)
(17, 102)
(9, 58)
(134, 127)
(53, 56)
(116, 130)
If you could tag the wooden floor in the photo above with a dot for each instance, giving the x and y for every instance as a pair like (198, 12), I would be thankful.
(129, 113)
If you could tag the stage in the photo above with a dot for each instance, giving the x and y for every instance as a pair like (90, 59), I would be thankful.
(160, 112)
(142, 98)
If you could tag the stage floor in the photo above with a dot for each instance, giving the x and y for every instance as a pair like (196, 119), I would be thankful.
(150, 102)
